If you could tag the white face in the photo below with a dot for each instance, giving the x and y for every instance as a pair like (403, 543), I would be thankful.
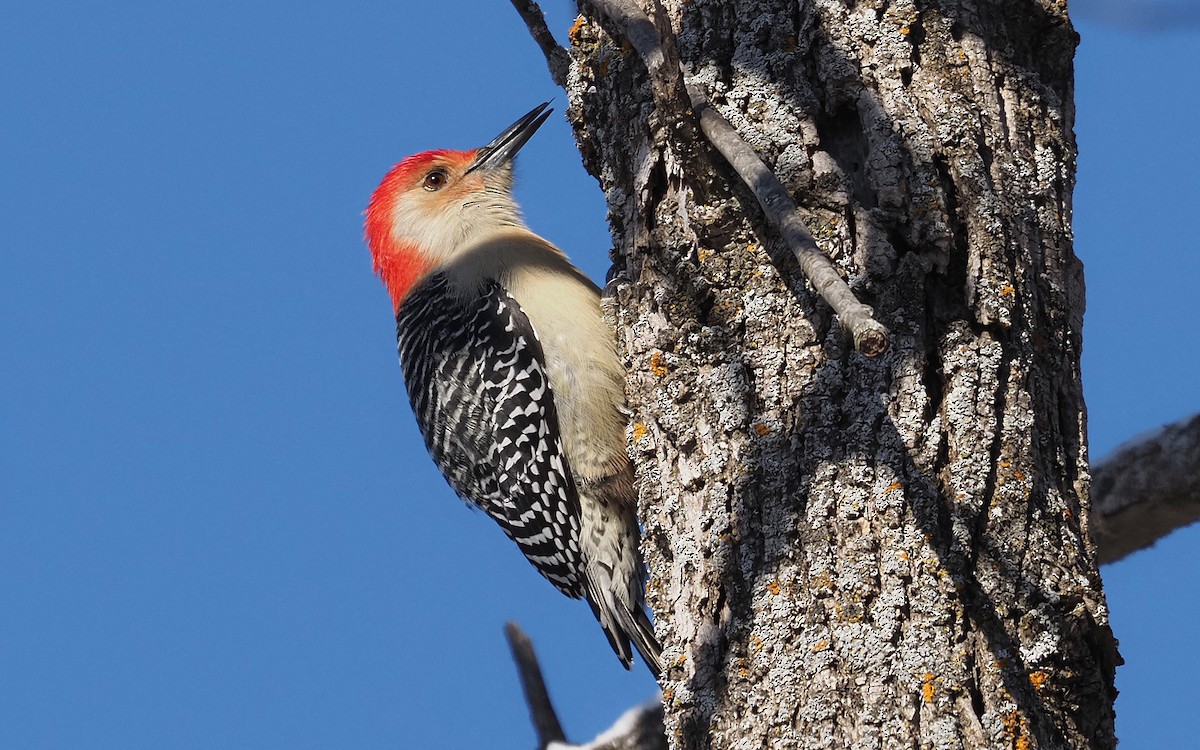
(445, 208)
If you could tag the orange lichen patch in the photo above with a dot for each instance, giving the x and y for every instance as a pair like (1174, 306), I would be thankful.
(820, 645)
(752, 248)
(668, 694)
(639, 431)
(1018, 475)
(905, 30)
(1016, 727)
(761, 429)
(1011, 720)
(1008, 291)
(657, 366)
(1038, 679)
(573, 33)
(927, 689)
(726, 308)
(893, 487)
(1005, 464)
(681, 660)
(773, 587)
(756, 643)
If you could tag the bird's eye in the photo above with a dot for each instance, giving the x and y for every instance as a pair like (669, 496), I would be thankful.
(436, 180)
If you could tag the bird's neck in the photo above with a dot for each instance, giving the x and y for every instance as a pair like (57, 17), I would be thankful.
(403, 259)
(401, 268)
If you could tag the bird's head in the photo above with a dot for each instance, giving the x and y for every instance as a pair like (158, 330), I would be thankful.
(436, 203)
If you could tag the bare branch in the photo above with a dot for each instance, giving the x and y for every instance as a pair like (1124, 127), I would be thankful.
(541, 710)
(655, 44)
(557, 58)
(870, 336)
(1147, 489)
(639, 728)
(652, 38)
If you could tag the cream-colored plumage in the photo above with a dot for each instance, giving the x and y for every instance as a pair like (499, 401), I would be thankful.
(581, 358)
(448, 218)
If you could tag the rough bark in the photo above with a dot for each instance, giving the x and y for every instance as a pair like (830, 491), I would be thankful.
(854, 552)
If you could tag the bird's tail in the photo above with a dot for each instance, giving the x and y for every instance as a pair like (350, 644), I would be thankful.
(641, 632)
(614, 575)
(625, 622)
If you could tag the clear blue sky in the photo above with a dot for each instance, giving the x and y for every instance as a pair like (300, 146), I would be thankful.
(218, 527)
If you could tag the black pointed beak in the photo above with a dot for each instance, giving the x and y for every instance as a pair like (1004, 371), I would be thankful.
(505, 146)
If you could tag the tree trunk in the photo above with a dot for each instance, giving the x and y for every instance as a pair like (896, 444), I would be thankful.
(843, 551)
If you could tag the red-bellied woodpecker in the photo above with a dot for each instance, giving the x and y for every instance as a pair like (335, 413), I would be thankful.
(513, 375)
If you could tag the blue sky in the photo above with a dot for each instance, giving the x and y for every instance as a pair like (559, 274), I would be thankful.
(218, 527)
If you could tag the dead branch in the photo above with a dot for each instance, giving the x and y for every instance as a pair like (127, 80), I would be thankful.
(639, 728)
(557, 58)
(1146, 489)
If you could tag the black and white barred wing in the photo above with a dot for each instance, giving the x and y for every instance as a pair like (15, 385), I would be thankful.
(476, 379)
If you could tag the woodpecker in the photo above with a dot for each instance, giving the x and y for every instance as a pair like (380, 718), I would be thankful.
(513, 375)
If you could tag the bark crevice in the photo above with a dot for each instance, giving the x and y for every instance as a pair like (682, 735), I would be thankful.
(845, 551)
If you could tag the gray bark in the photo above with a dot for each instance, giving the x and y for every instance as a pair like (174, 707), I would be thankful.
(1146, 489)
(854, 552)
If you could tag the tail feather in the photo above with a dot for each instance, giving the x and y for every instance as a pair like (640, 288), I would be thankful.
(642, 635)
(614, 577)
(623, 624)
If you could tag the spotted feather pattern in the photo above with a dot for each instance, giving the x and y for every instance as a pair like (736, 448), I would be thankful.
(478, 387)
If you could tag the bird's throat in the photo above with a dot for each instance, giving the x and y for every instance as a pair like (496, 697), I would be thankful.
(400, 268)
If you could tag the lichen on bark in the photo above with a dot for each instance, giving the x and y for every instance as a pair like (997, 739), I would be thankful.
(847, 552)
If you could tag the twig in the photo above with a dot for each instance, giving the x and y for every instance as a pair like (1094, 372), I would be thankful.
(654, 44)
(653, 40)
(541, 710)
(1146, 489)
(870, 336)
(557, 58)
